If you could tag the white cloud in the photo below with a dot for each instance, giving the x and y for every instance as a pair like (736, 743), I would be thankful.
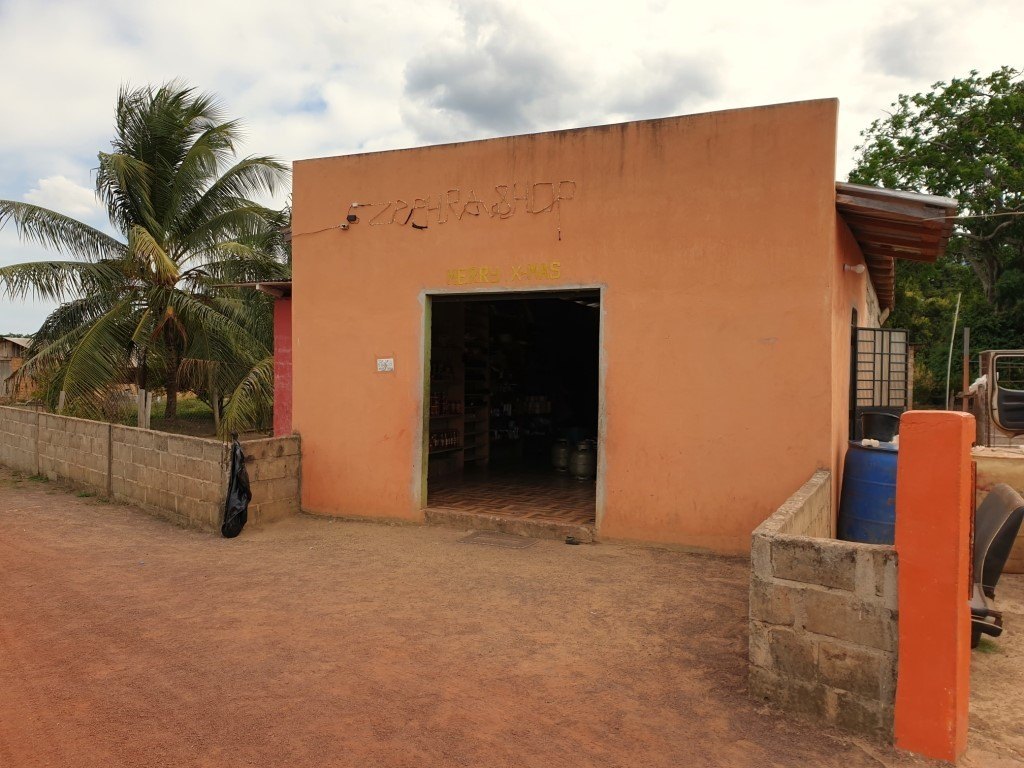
(319, 77)
(60, 194)
(504, 72)
(664, 83)
(501, 73)
(910, 47)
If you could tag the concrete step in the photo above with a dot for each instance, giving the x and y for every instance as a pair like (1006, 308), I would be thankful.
(519, 526)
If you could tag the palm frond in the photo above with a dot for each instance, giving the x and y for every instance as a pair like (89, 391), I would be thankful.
(69, 318)
(61, 280)
(99, 357)
(123, 183)
(200, 165)
(251, 403)
(58, 232)
(239, 264)
(226, 333)
(147, 253)
(245, 222)
(144, 327)
(252, 310)
(249, 177)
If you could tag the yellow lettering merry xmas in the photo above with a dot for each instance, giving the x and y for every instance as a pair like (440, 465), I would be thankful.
(551, 270)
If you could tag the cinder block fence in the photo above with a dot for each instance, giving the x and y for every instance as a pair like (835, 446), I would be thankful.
(874, 638)
(180, 478)
(823, 616)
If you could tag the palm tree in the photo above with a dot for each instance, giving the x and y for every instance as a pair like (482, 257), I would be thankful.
(148, 307)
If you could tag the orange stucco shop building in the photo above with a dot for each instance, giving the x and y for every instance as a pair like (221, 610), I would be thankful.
(709, 264)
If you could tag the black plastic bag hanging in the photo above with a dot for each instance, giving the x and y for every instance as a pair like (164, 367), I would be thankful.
(236, 507)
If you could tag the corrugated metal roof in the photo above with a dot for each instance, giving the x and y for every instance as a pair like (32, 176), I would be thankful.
(277, 288)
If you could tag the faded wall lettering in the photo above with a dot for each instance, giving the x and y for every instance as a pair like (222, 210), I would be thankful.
(503, 201)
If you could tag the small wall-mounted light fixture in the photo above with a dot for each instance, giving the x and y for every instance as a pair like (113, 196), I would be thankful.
(858, 268)
(351, 218)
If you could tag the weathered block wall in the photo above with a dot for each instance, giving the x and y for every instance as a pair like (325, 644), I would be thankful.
(823, 616)
(183, 479)
(808, 512)
(18, 436)
(273, 469)
(1002, 465)
(74, 449)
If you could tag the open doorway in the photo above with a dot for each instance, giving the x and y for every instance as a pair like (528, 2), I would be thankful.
(513, 403)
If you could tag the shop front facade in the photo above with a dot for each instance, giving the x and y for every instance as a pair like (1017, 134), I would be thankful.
(679, 292)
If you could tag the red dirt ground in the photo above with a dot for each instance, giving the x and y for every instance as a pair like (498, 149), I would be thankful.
(127, 642)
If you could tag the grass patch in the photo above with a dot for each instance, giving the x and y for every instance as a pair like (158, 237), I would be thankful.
(39, 478)
(85, 494)
(190, 408)
(194, 417)
(987, 645)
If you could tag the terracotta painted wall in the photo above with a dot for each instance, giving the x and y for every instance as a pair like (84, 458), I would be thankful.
(712, 238)
(282, 367)
(849, 290)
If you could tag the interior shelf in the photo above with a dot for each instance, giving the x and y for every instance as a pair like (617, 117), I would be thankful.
(477, 365)
(440, 451)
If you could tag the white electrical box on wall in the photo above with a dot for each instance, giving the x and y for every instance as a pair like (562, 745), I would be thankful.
(385, 365)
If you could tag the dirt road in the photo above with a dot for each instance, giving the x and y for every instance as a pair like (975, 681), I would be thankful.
(127, 642)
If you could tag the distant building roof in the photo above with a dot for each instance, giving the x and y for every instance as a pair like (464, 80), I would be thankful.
(21, 341)
(279, 289)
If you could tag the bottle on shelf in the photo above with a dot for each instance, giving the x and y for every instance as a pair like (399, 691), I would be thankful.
(443, 439)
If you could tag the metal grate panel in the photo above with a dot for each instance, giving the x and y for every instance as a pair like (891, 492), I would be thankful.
(880, 373)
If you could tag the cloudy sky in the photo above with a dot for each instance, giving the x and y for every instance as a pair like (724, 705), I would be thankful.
(323, 77)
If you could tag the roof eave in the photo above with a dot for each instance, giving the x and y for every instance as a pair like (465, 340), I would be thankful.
(891, 224)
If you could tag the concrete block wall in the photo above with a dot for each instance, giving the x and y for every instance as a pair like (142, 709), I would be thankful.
(19, 434)
(273, 469)
(184, 479)
(74, 449)
(823, 617)
(180, 478)
(1002, 465)
(808, 512)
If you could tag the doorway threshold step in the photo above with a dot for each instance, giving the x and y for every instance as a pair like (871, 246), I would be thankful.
(537, 528)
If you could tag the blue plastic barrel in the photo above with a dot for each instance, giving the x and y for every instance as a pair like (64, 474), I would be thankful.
(867, 506)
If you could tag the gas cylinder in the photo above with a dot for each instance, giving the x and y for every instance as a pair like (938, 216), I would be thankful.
(560, 455)
(583, 460)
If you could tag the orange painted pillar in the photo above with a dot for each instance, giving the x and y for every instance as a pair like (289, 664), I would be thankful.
(933, 540)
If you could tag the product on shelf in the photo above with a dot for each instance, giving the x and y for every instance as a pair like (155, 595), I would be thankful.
(440, 405)
(443, 439)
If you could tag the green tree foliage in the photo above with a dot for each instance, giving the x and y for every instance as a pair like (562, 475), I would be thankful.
(963, 139)
(149, 307)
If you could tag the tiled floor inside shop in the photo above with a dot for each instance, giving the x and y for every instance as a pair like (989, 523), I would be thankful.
(540, 495)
